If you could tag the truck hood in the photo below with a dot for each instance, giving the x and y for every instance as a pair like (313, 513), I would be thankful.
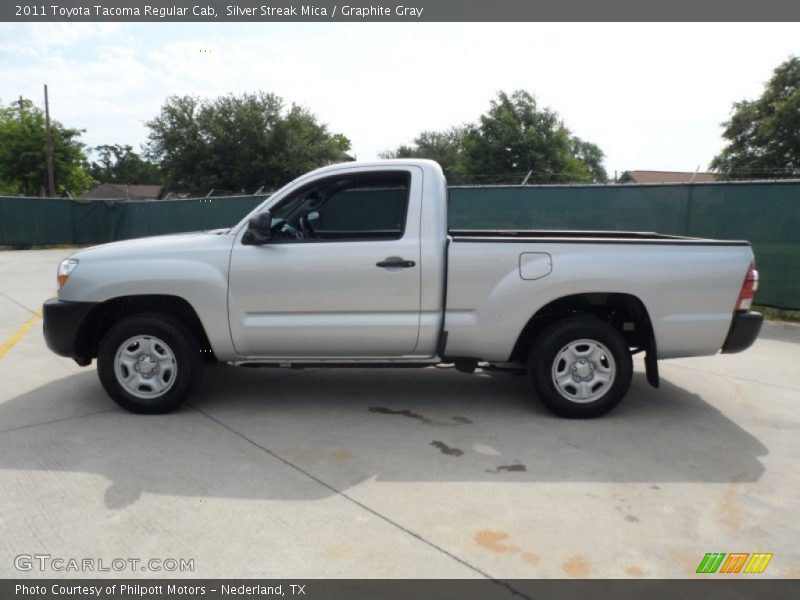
(158, 244)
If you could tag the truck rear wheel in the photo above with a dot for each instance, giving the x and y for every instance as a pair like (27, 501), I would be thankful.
(580, 367)
(149, 362)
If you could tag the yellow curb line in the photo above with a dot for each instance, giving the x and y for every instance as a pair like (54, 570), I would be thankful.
(19, 333)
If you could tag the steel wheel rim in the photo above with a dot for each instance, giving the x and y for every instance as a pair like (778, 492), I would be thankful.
(145, 367)
(583, 371)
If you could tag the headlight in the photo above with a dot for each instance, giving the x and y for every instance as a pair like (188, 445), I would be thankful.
(65, 269)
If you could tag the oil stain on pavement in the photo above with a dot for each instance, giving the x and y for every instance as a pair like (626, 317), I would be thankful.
(382, 410)
(445, 449)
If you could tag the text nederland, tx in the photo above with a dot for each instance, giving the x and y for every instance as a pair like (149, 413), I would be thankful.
(171, 589)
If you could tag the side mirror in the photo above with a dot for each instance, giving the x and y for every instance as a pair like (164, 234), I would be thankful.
(259, 229)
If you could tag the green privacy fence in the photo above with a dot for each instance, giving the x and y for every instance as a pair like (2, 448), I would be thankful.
(766, 213)
(49, 221)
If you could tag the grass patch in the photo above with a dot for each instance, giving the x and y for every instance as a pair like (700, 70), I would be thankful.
(778, 314)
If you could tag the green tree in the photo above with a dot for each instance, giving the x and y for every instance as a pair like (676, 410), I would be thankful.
(233, 143)
(516, 136)
(442, 146)
(120, 164)
(764, 134)
(592, 156)
(23, 166)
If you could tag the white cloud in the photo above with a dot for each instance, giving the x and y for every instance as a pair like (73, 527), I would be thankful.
(651, 95)
(40, 38)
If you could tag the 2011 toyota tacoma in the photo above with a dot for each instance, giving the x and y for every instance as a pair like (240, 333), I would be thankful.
(353, 264)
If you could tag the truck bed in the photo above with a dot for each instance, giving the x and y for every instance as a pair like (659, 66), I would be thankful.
(583, 236)
(689, 286)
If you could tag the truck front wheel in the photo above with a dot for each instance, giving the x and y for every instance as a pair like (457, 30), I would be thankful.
(149, 362)
(580, 367)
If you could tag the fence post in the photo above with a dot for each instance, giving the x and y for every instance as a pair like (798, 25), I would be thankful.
(689, 203)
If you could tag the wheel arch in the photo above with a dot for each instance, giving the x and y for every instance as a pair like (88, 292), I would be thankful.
(103, 316)
(625, 312)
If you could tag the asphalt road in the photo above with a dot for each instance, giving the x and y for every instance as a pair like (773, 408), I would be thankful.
(393, 473)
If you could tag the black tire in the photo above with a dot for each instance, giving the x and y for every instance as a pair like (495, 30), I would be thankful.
(547, 347)
(184, 349)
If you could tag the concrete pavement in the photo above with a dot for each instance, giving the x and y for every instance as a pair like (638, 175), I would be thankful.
(394, 473)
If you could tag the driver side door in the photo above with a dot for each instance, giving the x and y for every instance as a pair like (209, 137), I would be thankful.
(350, 288)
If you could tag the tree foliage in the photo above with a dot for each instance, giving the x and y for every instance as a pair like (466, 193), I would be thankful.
(764, 134)
(513, 137)
(120, 164)
(23, 162)
(442, 146)
(233, 143)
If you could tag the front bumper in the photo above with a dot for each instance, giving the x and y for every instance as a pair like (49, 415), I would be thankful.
(743, 332)
(62, 326)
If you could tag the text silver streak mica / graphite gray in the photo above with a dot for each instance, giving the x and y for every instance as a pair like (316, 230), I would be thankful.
(354, 264)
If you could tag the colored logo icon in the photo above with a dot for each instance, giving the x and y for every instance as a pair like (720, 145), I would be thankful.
(734, 562)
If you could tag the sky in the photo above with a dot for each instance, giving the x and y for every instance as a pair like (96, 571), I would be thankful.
(652, 96)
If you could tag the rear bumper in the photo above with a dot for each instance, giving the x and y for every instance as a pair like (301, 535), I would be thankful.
(62, 323)
(743, 332)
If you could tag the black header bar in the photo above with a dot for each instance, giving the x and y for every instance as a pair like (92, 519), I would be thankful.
(400, 10)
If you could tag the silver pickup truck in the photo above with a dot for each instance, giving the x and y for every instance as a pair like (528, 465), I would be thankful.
(353, 264)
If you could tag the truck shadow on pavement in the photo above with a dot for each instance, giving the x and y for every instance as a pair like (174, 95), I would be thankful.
(305, 435)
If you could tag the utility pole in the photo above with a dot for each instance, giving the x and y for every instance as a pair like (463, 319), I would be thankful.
(51, 187)
(21, 106)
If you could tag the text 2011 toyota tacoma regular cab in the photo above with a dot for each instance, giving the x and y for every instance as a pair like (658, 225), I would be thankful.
(353, 264)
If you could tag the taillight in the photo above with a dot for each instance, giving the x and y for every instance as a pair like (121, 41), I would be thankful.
(749, 288)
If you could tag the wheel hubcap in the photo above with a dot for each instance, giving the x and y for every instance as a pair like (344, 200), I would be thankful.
(583, 371)
(145, 366)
